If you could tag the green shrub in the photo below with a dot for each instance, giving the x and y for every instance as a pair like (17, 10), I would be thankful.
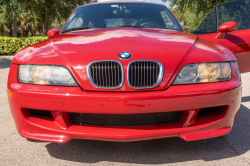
(11, 45)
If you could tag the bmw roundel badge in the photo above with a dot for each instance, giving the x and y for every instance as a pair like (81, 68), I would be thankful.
(125, 55)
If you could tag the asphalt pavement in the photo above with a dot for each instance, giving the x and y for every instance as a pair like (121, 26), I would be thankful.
(232, 149)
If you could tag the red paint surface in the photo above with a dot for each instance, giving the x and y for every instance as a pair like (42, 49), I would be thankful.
(238, 42)
(53, 32)
(228, 27)
(187, 98)
(77, 49)
(205, 134)
(174, 49)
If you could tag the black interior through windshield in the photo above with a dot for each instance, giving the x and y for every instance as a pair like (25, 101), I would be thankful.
(110, 15)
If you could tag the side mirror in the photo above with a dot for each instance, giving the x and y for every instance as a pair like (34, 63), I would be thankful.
(226, 27)
(53, 32)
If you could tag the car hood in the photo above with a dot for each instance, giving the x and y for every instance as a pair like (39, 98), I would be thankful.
(76, 50)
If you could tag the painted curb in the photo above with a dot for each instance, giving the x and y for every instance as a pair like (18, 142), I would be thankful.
(8, 57)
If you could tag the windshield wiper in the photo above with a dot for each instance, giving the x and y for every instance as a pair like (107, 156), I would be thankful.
(135, 26)
(75, 29)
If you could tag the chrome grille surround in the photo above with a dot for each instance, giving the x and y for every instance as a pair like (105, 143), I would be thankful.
(144, 86)
(121, 75)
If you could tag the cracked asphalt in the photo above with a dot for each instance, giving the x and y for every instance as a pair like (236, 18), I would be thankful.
(232, 149)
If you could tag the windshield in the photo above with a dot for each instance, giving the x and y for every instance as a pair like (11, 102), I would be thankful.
(110, 15)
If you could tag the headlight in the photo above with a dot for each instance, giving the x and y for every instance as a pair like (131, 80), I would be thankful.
(45, 75)
(203, 73)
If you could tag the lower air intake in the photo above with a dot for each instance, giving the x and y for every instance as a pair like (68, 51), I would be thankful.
(41, 113)
(124, 120)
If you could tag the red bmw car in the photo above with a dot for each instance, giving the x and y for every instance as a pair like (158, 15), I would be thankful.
(127, 71)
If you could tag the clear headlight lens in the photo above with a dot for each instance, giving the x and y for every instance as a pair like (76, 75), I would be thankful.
(45, 75)
(203, 73)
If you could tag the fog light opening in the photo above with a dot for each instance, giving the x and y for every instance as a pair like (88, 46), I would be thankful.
(41, 113)
(208, 111)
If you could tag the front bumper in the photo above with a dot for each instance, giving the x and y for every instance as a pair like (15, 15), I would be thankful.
(63, 100)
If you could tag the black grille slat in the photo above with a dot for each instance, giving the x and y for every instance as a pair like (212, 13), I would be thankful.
(157, 70)
(147, 74)
(106, 74)
(93, 72)
(150, 73)
(131, 73)
(118, 73)
(153, 73)
(144, 74)
(115, 73)
(106, 85)
(138, 77)
(141, 73)
(99, 72)
(112, 73)
(125, 120)
(96, 74)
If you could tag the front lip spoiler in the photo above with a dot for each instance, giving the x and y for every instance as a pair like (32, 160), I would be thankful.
(205, 134)
(45, 137)
(193, 136)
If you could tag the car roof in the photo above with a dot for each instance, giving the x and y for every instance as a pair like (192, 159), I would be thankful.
(121, 1)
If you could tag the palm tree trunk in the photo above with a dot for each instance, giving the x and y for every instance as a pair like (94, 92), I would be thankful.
(2, 30)
(14, 23)
(10, 28)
